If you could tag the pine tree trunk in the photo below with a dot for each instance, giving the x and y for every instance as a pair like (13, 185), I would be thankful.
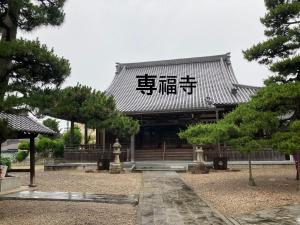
(86, 140)
(298, 170)
(251, 180)
(72, 133)
(8, 33)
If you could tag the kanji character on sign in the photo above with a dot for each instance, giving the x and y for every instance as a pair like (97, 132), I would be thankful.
(188, 83)
(146, 84)
(167, 84)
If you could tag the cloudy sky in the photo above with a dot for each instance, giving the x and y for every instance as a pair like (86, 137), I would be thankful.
(98, 33)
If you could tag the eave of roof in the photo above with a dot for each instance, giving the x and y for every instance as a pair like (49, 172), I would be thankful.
(22, 123)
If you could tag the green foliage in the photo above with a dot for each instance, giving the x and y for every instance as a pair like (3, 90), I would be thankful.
(6, 162)
(246, 129)
(30, 14)
(58, 148)
(77, 137)
(199, 134)
(21, 155)
(288, 141)
(24, 145)
(203, 134)
(52, 124)
(27, 66)
(93, 108)
(6, 132)
(45, 146)
(122, 126)
(280, 51)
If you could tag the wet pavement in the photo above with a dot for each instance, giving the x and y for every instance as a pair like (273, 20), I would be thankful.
(71, 196)
(166, 200)
(285, 215)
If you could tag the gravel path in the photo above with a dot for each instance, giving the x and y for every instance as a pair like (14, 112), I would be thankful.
(229, 193)
(70, 213)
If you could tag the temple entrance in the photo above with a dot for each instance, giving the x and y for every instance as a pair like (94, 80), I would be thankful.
(161, 143)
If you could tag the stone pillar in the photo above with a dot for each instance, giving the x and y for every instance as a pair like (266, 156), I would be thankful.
(132, 148)
(194, 153)
(115, 167)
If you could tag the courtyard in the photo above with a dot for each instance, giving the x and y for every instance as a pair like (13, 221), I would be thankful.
(225, 192)
(49, 212)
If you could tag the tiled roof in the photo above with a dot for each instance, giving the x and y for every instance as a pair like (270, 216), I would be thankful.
(216, 85)
(25, 124)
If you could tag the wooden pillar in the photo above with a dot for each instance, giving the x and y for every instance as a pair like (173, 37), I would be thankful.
(32, 161)
(103, 139)
(132, 147)
(97, 137)
(72, 133)
(219, 146)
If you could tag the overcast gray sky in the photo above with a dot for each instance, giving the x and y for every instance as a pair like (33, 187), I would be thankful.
(98, 33)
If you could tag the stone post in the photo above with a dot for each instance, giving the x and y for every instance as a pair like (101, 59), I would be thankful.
(115, 167)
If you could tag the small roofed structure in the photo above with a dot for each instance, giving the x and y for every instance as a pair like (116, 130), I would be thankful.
(25, 127)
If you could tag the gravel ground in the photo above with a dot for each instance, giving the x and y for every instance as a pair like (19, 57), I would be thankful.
(65, 213)
(80, 181)
(70, 213)
(230, 194)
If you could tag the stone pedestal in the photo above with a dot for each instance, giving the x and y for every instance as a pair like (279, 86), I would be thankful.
(9, 184)
(115, 168)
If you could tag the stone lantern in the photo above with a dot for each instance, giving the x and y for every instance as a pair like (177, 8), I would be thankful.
(200, 166)
(115, 167)
(199, 154)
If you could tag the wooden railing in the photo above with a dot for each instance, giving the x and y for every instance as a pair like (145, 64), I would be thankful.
(90, 153)
(93, 153)
(234, 155)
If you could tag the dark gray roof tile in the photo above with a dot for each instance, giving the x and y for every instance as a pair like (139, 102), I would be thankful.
(25, 124)
(214, 75)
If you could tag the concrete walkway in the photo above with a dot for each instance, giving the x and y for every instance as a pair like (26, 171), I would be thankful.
(166, 200)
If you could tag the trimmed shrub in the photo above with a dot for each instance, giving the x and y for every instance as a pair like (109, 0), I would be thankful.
(21, 155)
(24, 145)
(6, 162)
(58, 148)
(77, 136)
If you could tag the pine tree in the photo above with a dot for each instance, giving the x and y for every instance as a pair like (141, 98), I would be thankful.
(28, 65)
(280, 52)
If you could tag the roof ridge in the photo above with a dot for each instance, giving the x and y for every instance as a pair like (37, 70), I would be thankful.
(225, 57)
(246, 86)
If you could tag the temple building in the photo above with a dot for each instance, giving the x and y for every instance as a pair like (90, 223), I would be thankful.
(168, 95)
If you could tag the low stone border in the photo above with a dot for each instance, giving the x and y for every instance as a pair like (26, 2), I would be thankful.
(72, 196)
